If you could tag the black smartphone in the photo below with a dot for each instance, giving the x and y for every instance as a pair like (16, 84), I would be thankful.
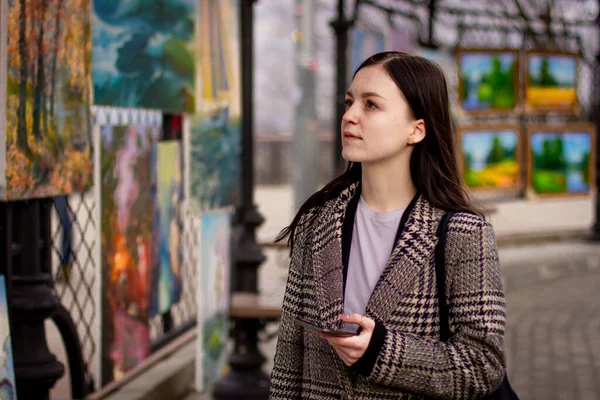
(313, 327)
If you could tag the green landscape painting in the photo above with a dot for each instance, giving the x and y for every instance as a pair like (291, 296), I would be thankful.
(490, 158)
(488, 80)
(561, 162)
(552, 82)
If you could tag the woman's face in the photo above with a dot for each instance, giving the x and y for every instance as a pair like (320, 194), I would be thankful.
(378, 124)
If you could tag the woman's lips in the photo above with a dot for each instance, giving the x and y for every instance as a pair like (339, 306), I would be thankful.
(349, 136)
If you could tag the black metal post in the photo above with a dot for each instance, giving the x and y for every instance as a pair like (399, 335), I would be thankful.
(26, 249)
(82, 382)
(595, 234)
(431, 44)
(340, 27)
(246, 380)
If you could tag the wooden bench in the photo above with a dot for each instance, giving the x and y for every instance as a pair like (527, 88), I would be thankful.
(253, 305)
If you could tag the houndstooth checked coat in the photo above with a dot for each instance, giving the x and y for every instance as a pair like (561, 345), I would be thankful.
(405, 359)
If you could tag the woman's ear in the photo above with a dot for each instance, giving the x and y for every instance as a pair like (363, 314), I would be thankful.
(418, 133)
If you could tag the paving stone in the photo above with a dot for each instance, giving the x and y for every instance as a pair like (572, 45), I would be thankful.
(555, 324)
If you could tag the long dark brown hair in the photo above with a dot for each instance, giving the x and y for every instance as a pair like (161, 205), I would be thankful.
(433, 163)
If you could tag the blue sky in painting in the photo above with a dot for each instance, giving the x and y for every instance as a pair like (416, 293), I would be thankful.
(474, 65)
(479, 143)
(575, 144)
(562, 68)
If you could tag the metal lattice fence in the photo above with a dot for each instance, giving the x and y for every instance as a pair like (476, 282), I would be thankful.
(77, 278)
(75, 267)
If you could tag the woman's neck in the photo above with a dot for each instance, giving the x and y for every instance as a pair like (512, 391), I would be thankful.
(387, 187)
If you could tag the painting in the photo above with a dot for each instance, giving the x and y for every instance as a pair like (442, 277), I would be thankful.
(442, 58)
(488, 80)
(129, 218)
(446, 61)
(561, 160)
(7, 373)
(143, 54)
(214, 281)
(45, 131)
(214, 135)
(551, 82)
(367, 40)
(490, 157)
(399, 39)
(364, 43)
(166, 279)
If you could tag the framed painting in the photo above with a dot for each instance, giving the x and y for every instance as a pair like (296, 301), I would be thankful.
(488, 80)
(131, 238)
(489, 157)
(143, 54)
(8, 387)
(45, 98)
(166, 275)
(212, 137)
(364, 42)
(551, 82)
(561, 160)
(213, 283)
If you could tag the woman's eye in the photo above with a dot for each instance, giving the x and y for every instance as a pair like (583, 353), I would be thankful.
(348, 103)
(371, 105)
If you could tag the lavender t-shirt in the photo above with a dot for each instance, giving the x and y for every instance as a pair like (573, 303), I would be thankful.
(373, 238)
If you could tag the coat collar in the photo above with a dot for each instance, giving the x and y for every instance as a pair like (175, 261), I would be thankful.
(410, 258)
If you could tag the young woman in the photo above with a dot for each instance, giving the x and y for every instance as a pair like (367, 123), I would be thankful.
(362, 254)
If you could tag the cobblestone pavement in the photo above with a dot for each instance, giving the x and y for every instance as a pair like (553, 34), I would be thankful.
(553, 338)
(553, 320)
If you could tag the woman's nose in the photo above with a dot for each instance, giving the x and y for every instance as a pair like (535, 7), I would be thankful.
(350, 116)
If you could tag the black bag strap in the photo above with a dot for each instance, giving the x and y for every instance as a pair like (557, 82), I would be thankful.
(440, 276)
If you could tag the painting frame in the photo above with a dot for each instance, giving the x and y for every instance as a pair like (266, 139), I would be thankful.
(491, 127)
(574, 127)
(459, 52)
(528, 109)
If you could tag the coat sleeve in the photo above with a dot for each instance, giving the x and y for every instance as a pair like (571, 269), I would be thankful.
(471, 364)
(286, 377)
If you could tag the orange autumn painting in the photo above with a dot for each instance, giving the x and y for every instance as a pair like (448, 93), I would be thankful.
(48, 132)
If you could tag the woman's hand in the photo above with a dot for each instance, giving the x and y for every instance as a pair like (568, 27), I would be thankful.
(351, 349)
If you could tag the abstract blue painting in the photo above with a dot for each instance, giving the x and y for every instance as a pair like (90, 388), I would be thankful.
(143, 54)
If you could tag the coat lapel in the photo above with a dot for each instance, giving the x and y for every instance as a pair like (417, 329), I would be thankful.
(410, 261)
(326, 259)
